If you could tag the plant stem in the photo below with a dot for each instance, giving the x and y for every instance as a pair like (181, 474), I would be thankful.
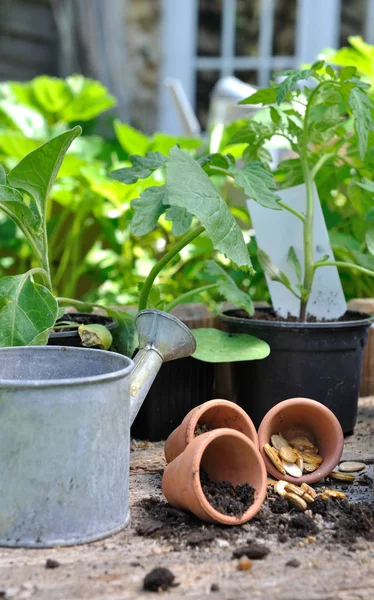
(343, 265)
(143, 298)
(188, 295)
(320, 163)
(295, 212)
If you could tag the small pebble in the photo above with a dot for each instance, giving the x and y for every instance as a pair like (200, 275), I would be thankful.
(351, 467)
(51, 563)
(244, 564)
(293, 563)
(214, 587)
(158, 579)
(252, 550)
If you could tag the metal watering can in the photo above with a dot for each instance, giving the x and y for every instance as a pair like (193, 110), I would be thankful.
(65, 418)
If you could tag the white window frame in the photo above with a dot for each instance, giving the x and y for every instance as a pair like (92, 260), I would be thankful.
(179, 45)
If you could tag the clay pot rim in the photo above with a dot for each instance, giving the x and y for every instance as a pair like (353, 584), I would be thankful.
(319, 473)
(202, 408)
(203, 441)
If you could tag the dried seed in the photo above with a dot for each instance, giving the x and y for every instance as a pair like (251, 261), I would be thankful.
(309, 490)
(301, 443)
(296, 501)
(351, 466)
(308, 498)
(280, 486)
(244, 564)
(300, 462)
(312, 459)
(271, 481)
(294, 489)
(333, 494)
(342, 476)
(308, 468)
(292, 469)
(288, 454)
(274, 457)
(278, 441)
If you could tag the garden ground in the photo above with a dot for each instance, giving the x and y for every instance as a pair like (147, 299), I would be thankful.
(332, 566)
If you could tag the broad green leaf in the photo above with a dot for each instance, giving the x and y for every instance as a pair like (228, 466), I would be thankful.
(366, 185)
(290, 83)
(148, 209)
(215, 346)
(2, 175)
(294, 262)
(271, 270)
(347, 73)
(162, 142)
(362, 107)
(257, 183)
(131, 140)
(370, 215)
(275, 116)
(11, 201)
(36, 173)
(90, 99)
(228, 288)
(245, 135)
(51, 93)
(190, 188)
(264, 96)
(124, 336)
(181, 219)
(16, 145)
(27, 120)
(369, 237)
(289, 173)
(142, 167)
(28, 310)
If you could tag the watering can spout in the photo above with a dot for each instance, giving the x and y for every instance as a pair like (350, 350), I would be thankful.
(162, 337)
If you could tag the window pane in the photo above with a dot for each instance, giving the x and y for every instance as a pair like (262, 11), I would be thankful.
(247, 27)
(352, 19)
(205, 81)
(284, 27)
(209, 31)
(247, 76)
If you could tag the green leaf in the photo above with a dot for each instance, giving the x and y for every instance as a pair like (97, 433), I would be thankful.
(181, 219)
(131, 140)
(95, 336)
(28, 310)
(2, 175)
(228, 288)
(36, 173)
(51, 93)
(257, 183)
(215, 346)
(366, 185)
(291, 82)
(362, 108)
(264, 96)
(370, 214)
(330, 71)
(289, 173)
(11, 201)
(271, 270)
(347, 73)
(275, 116)
(148, 209)
(27, 120)
(190, 188)
(90, 99)
(124, 336)
(142, 167)
(369, 237)
(294, 262)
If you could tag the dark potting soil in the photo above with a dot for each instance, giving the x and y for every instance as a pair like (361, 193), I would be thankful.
(159, 579)
(225, 498)
(270, 315)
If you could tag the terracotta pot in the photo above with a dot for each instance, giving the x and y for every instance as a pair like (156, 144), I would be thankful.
(226, 455)
(308, 418)
(214, 414)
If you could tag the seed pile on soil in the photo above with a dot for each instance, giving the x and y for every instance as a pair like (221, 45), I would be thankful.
(225, 498)
(159, 579)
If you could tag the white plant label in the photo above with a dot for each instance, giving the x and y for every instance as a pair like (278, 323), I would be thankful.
(276, 231)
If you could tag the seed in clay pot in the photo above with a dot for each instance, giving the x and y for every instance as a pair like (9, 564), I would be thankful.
(292, 469)
(342, 476)
(294, 489)
(308, 468)
(301, 443)
(244, 564)
(280, 487)
(288, 454)
(278, 441)
(351, 466)
(312, 459)
(274, 457)
(296, 501)
(309, 490)
(300, 462)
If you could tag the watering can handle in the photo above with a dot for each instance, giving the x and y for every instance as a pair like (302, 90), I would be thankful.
(162, 337)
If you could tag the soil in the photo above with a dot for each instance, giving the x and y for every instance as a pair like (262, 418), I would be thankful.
(85, 319)
(270, 315)
(225, 498)
(159, 579)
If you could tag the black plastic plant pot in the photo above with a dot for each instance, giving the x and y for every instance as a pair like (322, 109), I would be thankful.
(71, 337)
(321, 361)
(179, 386)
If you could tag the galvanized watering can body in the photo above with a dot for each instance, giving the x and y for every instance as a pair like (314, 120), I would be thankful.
(65, 418)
